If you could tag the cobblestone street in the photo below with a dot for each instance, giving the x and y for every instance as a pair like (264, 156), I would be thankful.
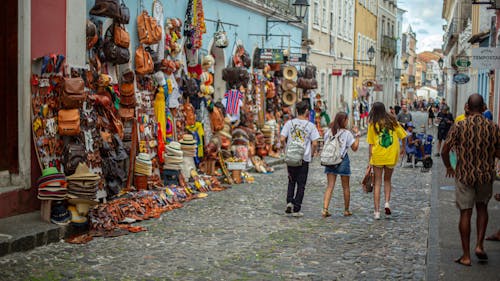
(242, 233)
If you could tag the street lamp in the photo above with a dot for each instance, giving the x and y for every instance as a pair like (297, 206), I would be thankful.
(440, 63)
(300, 7)
(405, 64)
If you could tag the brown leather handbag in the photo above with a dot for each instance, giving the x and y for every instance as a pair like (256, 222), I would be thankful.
(216, 119)
(188, 110)
(149, 30)
(106, 8)
(68, 122)
(127, 95)
(73, 92)
(143, 61)
(121, 36)
(307, 83)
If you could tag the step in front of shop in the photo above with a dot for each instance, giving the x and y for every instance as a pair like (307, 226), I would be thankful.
(27, 231)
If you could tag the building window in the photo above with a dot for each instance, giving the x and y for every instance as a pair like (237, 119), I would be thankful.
(332, 21)
(323, 84)
(339, 26)
(383, 25)
(345, 18)
(324, 19)
(316, 13)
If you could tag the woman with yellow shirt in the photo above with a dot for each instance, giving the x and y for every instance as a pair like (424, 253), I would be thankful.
(384, 135)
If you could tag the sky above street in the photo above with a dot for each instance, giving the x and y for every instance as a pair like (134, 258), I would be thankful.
(425, 19)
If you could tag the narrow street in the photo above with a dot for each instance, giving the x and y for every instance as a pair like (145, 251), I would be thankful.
(242, 233)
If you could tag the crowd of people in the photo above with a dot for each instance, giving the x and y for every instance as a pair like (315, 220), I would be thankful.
(472, 139)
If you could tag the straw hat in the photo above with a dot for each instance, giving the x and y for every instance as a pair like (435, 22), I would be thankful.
(187, 139)
(288, 85)
(289, 98)
(82, 205)
(82, 172)
(290, 72)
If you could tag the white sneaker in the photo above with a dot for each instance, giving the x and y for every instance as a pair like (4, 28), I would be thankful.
(289, 207)
(376, 215)
(387, 209)
(297, 214)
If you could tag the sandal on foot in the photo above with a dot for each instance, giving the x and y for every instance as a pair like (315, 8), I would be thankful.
(347, 213)
(459, 261)
(481, 255)
(325, 213)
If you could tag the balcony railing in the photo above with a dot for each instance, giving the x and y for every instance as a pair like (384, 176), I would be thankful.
(388, 45)
(456, 26)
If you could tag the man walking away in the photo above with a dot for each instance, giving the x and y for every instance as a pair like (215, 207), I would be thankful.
(299, 130)
(476, 141)
(404, 117)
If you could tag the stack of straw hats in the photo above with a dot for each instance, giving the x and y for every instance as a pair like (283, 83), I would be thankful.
(52, 185)
(268, 134)
(188, 145)
(83, 183)
(173, 156)
(143, 164)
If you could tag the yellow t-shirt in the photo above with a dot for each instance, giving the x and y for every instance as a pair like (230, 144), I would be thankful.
(385, 145)
(460, 118)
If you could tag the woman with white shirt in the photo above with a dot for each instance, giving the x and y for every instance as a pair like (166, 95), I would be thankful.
(338, 128)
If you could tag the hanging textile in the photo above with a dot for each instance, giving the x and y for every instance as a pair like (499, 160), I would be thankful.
(159, 107)
(233, 101)
(158, 15)
(197, 130)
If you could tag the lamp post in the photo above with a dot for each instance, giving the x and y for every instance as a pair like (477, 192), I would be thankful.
(300, 9)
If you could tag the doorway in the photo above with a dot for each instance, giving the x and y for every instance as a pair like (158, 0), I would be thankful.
(8, 87)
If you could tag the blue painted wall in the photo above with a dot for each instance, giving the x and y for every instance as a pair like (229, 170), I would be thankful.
(247, 21)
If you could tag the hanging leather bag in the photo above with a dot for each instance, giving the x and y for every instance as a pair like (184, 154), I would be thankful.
(121, 36)
(148, 29)
(127, 95)
(74, 153)
(124, 14)
(106, 8)
(68, 121)
(216, 119)
(126, 113)
(143, 61)
(73, 92)
(114, 53)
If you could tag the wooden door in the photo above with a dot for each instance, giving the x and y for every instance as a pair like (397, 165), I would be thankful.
(8, 86)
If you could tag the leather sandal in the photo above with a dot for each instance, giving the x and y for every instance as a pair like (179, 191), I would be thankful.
(347, 213)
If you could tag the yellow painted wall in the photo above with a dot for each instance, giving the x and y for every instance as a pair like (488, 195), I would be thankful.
(366, 24)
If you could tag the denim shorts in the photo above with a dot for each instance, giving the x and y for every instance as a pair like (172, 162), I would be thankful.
(344, 169)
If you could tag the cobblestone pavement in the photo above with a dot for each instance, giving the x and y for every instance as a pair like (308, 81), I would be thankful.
(243, 234)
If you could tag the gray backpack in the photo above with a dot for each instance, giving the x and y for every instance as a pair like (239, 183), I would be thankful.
(296, 148)
(332, 155)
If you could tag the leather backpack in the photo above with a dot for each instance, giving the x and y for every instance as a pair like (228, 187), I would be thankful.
(124, 17)
(114, 53)
(148, 29)
(143, 61)
(74, 153)
(106, 8)
(121, 36)
(73, 92)
(68, 121)
(127, 95)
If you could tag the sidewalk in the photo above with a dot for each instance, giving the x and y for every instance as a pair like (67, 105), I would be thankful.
(444, 244)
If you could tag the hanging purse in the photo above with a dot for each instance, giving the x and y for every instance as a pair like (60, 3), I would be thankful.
(143, 61)
(114, 53)
(106, 8)
(121, 36)
(73, 92)
(220, 36)
(68, 121)
(127, 95)
(124, 14)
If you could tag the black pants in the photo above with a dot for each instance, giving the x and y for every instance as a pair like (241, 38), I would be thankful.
(297, 176)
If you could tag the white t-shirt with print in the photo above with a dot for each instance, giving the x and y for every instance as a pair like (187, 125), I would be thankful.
(309, 130)
(347, 138)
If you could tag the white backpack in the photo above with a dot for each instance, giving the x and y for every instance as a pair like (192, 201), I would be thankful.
(296, 148)
(332, 155)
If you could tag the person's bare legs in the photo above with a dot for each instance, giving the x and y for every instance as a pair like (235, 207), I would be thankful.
(387, 183)
(377, 186)
(331, 178)
(464, 228)
(439, 147)
(347, 193)
(481, 224)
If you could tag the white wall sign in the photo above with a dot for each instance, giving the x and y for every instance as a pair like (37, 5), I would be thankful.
(486, 58)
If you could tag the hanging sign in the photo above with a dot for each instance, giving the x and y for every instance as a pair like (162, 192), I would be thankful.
(297, 57)
(461, 78)
(337, 72)
(352, 73)
(272, 55)
(463, 62)
(486, 58)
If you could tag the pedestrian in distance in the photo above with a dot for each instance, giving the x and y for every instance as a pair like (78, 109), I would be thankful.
(299, 137)
(404, 116)
(392, 111)
(431, 115)
(445, 119)
(476, 141)
(338, 129)
(384, 135)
